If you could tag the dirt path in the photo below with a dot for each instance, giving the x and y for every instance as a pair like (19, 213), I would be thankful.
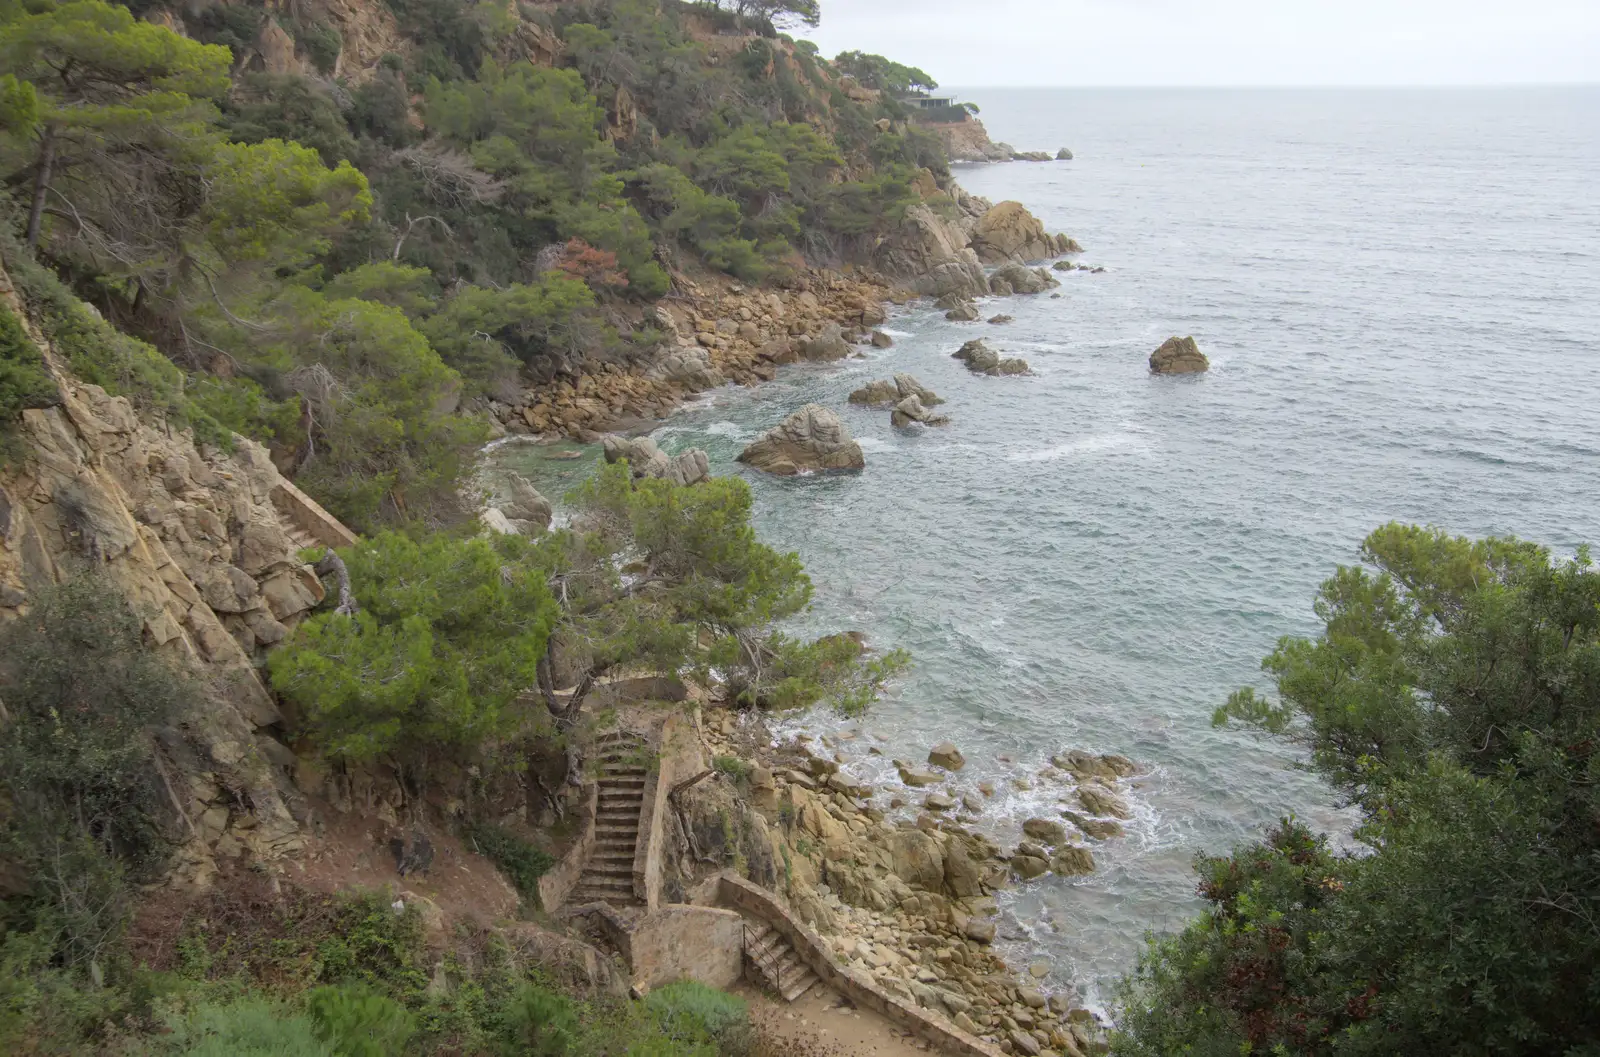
(821, 1024)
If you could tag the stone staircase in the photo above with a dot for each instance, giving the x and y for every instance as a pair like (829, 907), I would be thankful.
(608, 874)
(298, 536)
(780, 967)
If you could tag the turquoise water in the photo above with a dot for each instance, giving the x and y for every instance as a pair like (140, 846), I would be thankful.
(1399, 293)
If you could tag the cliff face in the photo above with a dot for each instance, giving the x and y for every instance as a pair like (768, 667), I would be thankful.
(969, 141)
(204, 547)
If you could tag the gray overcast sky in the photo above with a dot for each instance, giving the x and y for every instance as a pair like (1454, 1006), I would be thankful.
(1224, 42)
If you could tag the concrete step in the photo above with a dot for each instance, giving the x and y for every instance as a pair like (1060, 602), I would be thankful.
(800, 986)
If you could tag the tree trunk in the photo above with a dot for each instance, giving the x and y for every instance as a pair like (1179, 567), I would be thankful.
(41, 184)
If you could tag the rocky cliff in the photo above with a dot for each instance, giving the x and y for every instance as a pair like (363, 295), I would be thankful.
(204, 545)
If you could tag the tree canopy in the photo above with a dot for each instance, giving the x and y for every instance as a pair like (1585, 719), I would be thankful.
(1454, 697)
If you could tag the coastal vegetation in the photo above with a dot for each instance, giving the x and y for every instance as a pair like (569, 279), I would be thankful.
(346, 270)
(1453, 699)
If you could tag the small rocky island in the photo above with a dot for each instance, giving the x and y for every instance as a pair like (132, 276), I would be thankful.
(810, 440)
(1178, 356)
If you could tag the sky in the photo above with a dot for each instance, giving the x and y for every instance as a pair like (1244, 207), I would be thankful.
(1224, 42)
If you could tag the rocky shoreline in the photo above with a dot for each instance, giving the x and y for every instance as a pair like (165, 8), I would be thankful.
(899, 878)
(717, 331)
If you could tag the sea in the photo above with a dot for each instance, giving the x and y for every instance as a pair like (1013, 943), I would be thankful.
(1399, 292)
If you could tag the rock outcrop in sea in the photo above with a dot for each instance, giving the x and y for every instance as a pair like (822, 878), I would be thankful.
(1178, 356)
(981, 359)
(810, 440)
(645, 459)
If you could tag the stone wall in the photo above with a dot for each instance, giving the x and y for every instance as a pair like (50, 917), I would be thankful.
(734, 891)
(557, 883)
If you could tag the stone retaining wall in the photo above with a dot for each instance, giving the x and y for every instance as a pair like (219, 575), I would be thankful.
(557, 883)
(734, 891)
(307, 514)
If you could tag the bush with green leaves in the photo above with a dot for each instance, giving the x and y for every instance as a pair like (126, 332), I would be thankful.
(690, 1014)
(24, 381)
(356, 1021)
(86, 810)
(448, 633)
(539, 1022)
(515, 856)
(1454, 697)
(246, 1027)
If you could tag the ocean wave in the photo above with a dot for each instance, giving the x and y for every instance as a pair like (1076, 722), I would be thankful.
(1090, 445)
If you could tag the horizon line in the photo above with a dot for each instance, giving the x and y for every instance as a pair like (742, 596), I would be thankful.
(1345, 86)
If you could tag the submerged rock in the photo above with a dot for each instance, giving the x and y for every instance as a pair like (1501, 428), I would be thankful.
(1097, 828)
(1178, 356)
(809, 440)
(1072, 861)
(982, 359)
(946, 755)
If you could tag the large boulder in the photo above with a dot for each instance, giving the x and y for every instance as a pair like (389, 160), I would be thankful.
(645, 459)
(946, 755)
(826, 345)
(1103, 801)
(911, 410)
(526, 504)
(1178, 356)
(876, 392)
(810, 440)
(964, 312)
(981, 359)
(687, 366)
(907, 385)
(1008, 232)
(977, 355)
(642, 455)
(932, 252)
(1024, 280)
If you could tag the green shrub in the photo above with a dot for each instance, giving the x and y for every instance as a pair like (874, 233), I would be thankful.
(540, 1023)
(321, 43)
(247, 1027)
(732, 766)
(518, 859)
(358, 1022)
(24, 382)
(449, 633)
(692, 1013)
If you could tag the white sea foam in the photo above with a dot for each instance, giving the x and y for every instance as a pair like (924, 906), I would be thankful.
(1093, 444)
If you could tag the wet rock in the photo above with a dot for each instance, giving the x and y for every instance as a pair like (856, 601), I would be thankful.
(1086, 765)
(1063, 154)
(979, 931)
(1047, 830)
(811, 439)
(914, 777)
(1098, 828)
(880, 340)
(911, 410)
(977, 355)
(881, 391)
(907, 385)
(1028, 867)
(1000, 320)
(1072, 861)
(946, 755)
(1178, 356)
(1100, 800)
(1024, 280)
(827, 345)
(939, 802)
(966, 312)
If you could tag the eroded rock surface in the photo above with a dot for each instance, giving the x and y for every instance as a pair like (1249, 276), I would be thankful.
(810, 440)
(1178, 356)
